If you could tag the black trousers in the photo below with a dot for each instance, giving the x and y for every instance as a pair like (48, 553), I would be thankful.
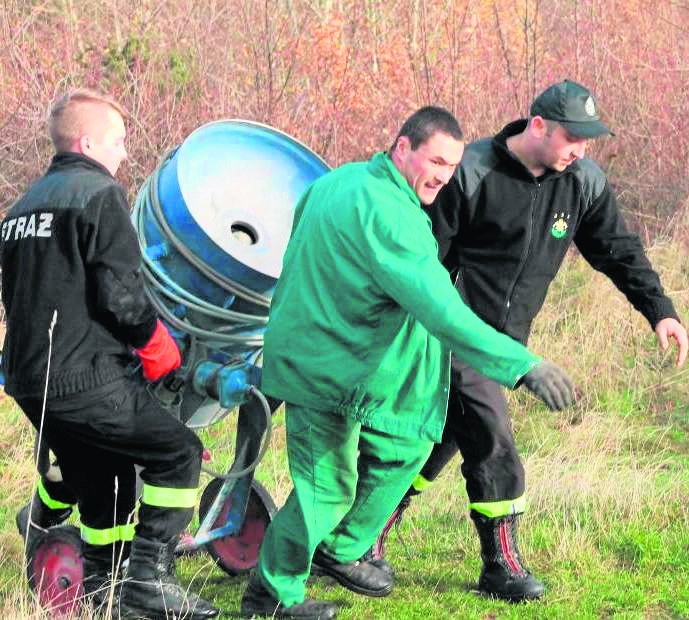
(478, 425)
(98, 436)
(58, 489)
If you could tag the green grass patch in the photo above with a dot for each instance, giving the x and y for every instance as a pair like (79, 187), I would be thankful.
(607, 484)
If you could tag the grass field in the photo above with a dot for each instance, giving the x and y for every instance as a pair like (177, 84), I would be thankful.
(608, 483)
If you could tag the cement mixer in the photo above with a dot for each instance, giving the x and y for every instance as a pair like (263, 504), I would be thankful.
(213, 222)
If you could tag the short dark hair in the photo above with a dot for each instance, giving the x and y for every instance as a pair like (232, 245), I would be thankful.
(425, 122)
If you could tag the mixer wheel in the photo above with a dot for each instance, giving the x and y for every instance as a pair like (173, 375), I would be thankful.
(54, 566)
(237, 554)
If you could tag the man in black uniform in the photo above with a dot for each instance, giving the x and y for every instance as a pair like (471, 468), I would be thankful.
(503, 225)
(76, 310)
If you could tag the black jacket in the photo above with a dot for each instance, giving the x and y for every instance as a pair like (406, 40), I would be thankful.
(504, 233)
(68, 245)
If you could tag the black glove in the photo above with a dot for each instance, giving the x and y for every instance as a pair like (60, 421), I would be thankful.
(551, 385)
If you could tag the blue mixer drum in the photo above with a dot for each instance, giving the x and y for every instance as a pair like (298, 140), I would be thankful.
(213, 221)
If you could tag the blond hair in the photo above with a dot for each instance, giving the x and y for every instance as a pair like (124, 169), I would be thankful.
(66, 121)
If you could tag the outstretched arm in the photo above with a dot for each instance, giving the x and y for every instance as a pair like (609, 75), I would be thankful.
(405, 265)
(610, 247)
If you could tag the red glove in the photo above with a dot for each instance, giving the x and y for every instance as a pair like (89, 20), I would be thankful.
(160, 354)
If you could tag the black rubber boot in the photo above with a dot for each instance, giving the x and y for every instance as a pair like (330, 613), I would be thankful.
(151, 588)
(503, 574)
(360, 577)
(103, 573)
(41, 515)
(257, 601)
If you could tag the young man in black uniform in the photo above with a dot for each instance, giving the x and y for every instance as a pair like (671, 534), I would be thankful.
(76, 311)
(503, 225)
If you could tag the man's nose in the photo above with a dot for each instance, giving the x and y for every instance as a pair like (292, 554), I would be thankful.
(580, 150)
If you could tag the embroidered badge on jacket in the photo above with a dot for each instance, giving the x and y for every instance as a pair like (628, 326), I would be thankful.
(560, 225)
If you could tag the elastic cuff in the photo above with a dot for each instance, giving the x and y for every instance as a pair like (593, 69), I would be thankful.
(659, 309)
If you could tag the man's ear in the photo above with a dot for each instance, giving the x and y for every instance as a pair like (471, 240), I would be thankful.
(403, 145)
(538, 126)
(84, 145)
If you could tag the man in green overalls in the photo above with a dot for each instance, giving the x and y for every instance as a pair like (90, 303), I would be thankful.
(361, 327)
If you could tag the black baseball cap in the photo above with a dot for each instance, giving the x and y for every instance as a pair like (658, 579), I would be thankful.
(573, 107)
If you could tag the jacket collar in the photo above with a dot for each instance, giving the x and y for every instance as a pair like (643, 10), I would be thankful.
(69, 159)
(381, 164)
(508, 157)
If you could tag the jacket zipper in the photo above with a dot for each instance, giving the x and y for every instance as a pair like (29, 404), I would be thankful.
(522, 263)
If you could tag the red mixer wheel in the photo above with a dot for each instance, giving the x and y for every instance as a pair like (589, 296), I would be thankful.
(239, 553)
(55, 569)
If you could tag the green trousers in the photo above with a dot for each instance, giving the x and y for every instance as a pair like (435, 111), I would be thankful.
(348, 479)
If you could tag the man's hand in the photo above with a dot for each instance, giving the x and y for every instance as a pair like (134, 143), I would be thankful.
(672, 328)
(551, 385)
(160, 354)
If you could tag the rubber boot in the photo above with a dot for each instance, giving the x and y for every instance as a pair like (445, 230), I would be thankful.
(503, 575)
(151, 588)
(103, 573)
(258, 601)
(376, 554)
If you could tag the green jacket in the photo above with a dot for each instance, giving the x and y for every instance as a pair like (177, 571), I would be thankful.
(364, 315)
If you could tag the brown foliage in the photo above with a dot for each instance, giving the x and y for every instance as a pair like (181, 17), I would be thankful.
(342, 74)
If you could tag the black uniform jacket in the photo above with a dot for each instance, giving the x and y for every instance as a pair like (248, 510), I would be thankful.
(68, 245)
(504, 233)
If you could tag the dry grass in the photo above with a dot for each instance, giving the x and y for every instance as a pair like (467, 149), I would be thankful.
(614, 464)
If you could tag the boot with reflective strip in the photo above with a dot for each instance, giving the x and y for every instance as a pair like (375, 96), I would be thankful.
(103, 569)
(151, 588)
(503, 574)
